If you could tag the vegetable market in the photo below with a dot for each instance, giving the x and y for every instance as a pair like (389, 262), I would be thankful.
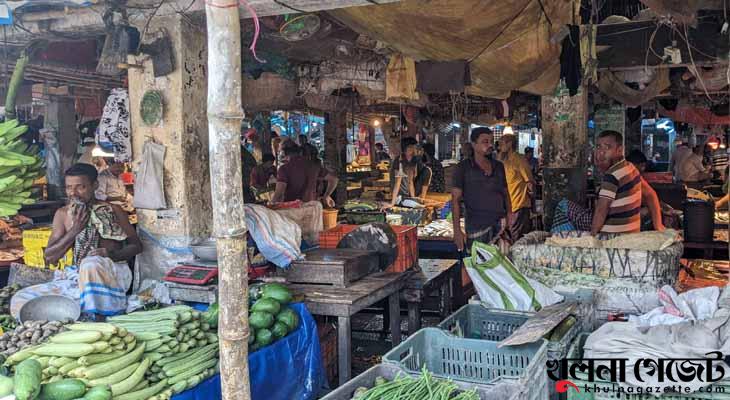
(364, 200)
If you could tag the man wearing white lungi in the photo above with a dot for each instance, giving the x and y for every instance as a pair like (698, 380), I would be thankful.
(102, 240)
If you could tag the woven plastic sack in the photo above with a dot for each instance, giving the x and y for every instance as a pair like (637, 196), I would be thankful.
(500, 285)
(149, 192)
(400, 78)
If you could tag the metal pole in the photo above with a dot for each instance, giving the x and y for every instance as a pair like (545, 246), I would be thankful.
(224, 130)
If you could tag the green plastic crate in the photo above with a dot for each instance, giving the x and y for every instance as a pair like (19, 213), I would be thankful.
(499, 391)
(474, 360)
(360, 217)
(479, 322)
(576, 352)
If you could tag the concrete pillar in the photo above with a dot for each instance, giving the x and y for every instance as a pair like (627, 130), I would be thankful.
(564, 127)
(61, 117)
(184, 133)
(335, 150)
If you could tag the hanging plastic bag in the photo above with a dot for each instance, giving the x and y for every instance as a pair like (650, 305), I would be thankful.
(500, 285)
(49, 137)
(149, 191)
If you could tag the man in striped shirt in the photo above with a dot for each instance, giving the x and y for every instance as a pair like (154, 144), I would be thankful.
(618, 208)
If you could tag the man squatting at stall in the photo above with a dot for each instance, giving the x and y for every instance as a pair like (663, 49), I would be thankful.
(620, 196)
(102, 240)
(480, 181)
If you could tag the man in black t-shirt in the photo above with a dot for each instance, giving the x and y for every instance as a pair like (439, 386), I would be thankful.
(480, 182)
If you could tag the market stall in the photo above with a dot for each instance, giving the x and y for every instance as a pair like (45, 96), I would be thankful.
(169, 352)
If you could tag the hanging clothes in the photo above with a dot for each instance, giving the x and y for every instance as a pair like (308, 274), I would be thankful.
(570, 60)
(114, 129)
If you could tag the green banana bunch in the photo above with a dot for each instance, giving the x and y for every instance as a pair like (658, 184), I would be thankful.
(20, 166)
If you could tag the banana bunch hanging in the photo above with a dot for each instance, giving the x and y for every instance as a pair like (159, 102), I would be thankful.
(20, 166)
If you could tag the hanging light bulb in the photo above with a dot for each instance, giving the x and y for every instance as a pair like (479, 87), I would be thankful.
(508, 130)
(376, 123)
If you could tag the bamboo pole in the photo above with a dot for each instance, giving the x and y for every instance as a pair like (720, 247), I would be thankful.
(224, 125)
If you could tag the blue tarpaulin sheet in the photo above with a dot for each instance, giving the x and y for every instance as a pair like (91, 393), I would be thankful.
(289, 369)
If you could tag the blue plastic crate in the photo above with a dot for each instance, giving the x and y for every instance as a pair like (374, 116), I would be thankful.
(474, 360)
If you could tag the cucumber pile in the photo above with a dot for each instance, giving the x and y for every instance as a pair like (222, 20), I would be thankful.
(68, 365)
(269, 318)
(181, 345)
(149, 355)
(20, 166)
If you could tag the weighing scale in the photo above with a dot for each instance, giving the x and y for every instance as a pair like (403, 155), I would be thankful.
(193, 273)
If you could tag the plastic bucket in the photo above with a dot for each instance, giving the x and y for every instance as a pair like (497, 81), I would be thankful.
(699, 221)
(329, 218)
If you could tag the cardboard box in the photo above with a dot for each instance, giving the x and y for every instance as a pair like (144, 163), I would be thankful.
(35, 242)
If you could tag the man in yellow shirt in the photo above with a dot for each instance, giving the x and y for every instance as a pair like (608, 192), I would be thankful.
(520, 186)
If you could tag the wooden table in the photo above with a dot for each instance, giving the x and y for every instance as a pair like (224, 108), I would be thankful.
(441, 275)
(343, 303)
(720, 244)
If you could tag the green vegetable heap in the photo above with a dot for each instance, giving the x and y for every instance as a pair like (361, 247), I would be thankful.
(270, 319)
(424, 387)
(20, 166)
(144, 355)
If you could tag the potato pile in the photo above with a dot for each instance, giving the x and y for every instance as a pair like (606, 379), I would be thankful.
(28, 334)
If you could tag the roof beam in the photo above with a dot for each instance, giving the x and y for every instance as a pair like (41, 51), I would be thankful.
(89, 19)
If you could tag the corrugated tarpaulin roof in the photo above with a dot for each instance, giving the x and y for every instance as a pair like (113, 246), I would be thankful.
(15, 4)
(507, 41)
(7, 8)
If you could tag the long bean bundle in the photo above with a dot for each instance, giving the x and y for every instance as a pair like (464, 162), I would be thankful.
(424, 387)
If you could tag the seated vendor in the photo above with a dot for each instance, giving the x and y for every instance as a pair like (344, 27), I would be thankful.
(102, 241)
(111, 188)
(409, 176)
(692, 170)
(264, 174)
(620, 195)
(297, 178)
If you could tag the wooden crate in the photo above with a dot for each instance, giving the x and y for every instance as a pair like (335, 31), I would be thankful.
(336, 267)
